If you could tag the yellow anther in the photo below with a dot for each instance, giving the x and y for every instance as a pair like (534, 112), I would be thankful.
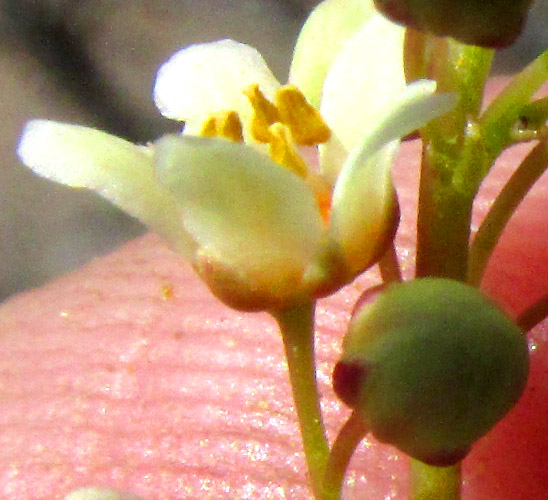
(265, 113)
(224, 124)
(209, 128)
(305, 122)
(282, 150)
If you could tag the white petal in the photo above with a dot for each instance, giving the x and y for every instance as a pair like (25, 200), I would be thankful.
(323, 35)
(405, 112)
(367, 73)
(363, 215)
(116, 169)
(245, 211)
(206, 78)
(363, 198)
(332, 157)
(99, 494)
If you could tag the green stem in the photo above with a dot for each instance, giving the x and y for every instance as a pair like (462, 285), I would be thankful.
(389, 266)
(533, 315)
(453, 163)
(532, 167)
(435, 483)
(297, 328)
(443, 226)
(343, 449)
(532, 122)
(500, 117)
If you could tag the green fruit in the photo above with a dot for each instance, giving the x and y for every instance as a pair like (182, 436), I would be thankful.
(431, 366)
(488, 23)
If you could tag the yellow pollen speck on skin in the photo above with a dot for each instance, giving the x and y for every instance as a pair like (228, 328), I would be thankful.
(263, 405)
(225, 124)
(265, 113)
(282, 151)
(305, 122)
(167, 291)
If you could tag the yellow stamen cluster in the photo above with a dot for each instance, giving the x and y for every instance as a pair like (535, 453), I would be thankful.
(305, 122)
(289, 123)
(224, 124)
(282, 151)
(265, 114)
(292, 120)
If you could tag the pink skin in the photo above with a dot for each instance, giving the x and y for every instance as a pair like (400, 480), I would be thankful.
(130, 374)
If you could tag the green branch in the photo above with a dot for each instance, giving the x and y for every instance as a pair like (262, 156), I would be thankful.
(389, 266)
(533, 315)
(504, 206)
(499, 118)
(454, 162)
(343, 449)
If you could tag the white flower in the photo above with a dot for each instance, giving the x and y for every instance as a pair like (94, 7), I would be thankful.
(263, 227)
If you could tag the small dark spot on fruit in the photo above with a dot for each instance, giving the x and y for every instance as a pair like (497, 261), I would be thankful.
(348, 378)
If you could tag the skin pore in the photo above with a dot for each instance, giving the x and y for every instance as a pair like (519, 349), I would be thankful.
(129, 374)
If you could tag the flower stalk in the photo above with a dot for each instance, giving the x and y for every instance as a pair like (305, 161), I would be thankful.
(435, 483)
(389, 266)
(498, 120)
(342, 451)
(505, 204)
(534, 314)
(297, 328)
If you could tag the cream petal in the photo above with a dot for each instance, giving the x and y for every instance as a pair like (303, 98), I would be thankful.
(364, 205)
(363, 198)
(366, 74)
(404, 113)
(116, 169)
(332, 156)
(248, 214)
(206, 78)
(322, 37)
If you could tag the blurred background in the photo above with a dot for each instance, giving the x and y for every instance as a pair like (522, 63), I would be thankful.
(93, 62)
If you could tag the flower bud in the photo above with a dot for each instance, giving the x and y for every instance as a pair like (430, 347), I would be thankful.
(496, 23)
(431, 366)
